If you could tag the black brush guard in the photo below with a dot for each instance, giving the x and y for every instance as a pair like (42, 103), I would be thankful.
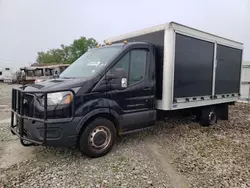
(18, 111)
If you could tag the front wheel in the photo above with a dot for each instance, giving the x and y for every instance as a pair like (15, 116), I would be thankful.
(98, 138)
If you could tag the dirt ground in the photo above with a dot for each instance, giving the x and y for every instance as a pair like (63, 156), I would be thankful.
(175, 153)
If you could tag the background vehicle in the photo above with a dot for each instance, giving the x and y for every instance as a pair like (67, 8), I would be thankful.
(40, 73)
(6, 74)
(127, 86)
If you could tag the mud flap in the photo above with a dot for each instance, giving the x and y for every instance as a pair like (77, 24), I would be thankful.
(222, 111)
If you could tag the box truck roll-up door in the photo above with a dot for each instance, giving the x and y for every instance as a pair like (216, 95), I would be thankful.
(228, 70)
(193, 68)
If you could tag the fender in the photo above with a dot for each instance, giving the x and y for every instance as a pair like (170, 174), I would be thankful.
(95, 112)
(91, 103)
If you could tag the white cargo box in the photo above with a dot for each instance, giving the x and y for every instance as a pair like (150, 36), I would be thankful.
(193, 68)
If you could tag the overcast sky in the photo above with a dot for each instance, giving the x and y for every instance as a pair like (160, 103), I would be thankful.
(30, 26)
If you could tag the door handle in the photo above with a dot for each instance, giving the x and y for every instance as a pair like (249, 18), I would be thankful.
(146, 88)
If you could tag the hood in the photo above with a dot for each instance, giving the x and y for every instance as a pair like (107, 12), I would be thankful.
(44, 77)
(56, 84)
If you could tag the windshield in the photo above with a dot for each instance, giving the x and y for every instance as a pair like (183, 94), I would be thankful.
(90, 63)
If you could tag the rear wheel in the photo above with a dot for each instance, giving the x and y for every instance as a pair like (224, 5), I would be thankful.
(98, 138)
(208, 116)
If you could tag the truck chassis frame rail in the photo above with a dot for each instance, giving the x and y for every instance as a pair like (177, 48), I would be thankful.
(18, 111)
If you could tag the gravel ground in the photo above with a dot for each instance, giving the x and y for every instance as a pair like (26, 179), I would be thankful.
(215, 156)
(176, 153)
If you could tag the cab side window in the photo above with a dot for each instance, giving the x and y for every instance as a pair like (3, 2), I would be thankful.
(122, 63)
(134, 64)
(138, 60)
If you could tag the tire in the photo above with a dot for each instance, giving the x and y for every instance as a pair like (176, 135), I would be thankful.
(208, 116)
(98, 138)
(198, 116)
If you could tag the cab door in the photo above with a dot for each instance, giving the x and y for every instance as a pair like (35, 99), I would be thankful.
(136, 103)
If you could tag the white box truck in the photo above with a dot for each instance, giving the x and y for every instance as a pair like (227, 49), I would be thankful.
(127, 85)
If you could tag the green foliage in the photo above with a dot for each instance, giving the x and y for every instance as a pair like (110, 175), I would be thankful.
(67, 54)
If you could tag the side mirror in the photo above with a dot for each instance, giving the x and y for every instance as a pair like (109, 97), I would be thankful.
(118, 79)
(124, 83)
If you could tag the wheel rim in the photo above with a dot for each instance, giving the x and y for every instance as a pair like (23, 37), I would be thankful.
(212, 118)
(99, 138)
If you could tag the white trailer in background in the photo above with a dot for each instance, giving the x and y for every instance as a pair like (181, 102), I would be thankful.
(6, 74)
(245, 83)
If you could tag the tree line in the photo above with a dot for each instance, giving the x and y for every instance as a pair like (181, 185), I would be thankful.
(66, 54)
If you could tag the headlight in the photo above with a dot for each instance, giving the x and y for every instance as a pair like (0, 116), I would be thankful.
(59, 98)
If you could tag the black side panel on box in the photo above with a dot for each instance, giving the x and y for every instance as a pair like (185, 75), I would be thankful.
(156, 38)
(228, 70)
(193, 71)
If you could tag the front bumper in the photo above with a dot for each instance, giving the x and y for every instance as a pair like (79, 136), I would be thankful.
(49, 132)
(58, 134)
